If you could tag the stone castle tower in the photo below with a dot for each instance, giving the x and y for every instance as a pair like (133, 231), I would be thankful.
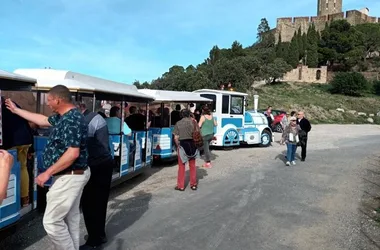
(329, 7)
(328, 11)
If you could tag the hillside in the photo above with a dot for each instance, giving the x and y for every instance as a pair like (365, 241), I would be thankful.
(319, 105)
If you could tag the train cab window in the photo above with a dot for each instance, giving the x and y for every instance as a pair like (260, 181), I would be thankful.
(213, 98)
(237, 105)
(225, 104)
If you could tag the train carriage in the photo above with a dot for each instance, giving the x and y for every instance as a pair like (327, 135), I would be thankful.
(10, 209)
(236, 125)
(163, 142)
(134, 152)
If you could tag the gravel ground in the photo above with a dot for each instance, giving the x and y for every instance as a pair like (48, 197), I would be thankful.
(250, 200)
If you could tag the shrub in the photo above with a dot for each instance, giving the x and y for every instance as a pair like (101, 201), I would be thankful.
(349, 83)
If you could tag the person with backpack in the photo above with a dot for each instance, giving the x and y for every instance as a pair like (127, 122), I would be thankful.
(187, 149)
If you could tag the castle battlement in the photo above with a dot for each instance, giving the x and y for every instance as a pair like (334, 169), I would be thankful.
(287, 26)
(319, 19)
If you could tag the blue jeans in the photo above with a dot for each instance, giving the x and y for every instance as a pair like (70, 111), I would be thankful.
(291, 153)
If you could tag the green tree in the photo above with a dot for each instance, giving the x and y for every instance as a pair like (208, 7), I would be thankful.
(311, 57)
(338, 41)
(305, 46)
(279, 42)
(174, 79)
(301, 45)
(252, 66)
(370, 33)
(137, 84)
(275, 70)
(237, 49)
(214, 55)
(376, 87)
(145, 85)
(231, 71)
(262, 29)
(293, 52)
(265, 37)
(283, 50)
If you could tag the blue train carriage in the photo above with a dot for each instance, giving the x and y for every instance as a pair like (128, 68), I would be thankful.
(236, 125)
(93, 91)
(163, 143)
(10, 209)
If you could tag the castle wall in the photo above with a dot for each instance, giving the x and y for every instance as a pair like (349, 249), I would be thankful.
(334, 17)
(301, 22)
(355, 17)
(288, 25)
(319, 22)
(305, 74)
(286, 28)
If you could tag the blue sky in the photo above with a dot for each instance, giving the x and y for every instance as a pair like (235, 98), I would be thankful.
(124, 40)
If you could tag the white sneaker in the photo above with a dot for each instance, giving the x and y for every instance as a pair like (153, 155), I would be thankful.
(287, 163)
(293, 163)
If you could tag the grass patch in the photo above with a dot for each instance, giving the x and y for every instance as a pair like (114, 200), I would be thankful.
(318, 103)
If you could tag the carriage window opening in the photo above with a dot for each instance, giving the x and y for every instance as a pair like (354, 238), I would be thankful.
(237, 103)
(213, 98)
(225, 104)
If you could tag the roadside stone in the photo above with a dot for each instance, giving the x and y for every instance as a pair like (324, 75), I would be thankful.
(371, 115)
(353, 112)
(378, 113)
(340, 110)
(370, 120)
(362, 114)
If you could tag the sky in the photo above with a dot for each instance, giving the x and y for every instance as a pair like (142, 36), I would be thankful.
(127, 40)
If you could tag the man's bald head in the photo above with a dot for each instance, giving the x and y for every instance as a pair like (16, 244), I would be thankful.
(301, 114)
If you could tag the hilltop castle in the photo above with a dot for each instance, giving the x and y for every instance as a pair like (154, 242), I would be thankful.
(328, 10)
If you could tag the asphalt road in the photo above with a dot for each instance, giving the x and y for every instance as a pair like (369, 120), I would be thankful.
(249, 200)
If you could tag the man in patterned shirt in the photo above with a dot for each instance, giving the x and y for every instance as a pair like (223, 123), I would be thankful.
(64, 159)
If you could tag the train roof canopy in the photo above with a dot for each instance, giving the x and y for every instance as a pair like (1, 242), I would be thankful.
(77, 82)
(11, 81)
(215, 91)
(161, 96)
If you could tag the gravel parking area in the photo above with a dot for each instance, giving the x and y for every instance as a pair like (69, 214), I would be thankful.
(250, 200)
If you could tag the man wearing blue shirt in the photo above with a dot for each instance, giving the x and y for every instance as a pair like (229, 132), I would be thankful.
(114, 122)
(64, 159)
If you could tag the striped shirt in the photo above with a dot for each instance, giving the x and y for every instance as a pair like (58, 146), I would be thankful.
(98, 146)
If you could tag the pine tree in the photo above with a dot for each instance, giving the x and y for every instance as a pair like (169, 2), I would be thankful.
(312, 47)
(279, 42)
(283, 51)
(305, 45)
(293, 53)
(301, 45)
